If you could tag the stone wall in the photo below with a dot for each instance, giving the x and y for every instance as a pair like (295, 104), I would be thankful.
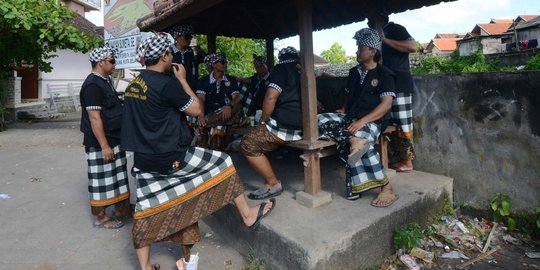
(482, 129)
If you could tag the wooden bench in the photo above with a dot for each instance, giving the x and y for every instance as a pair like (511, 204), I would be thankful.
(326, 148)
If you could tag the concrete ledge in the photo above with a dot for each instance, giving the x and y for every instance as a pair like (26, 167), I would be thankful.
(339, 235)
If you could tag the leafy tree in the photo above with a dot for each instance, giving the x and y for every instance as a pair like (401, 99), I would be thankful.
(239, 52)
(335, 55)
(31, 31)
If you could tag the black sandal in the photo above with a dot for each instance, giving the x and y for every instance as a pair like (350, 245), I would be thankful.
(155, 266)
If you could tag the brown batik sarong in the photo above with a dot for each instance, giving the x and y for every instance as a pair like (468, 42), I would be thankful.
(259, 141)
(179, 222)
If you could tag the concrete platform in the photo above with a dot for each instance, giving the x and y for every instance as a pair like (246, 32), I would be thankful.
(340, 235)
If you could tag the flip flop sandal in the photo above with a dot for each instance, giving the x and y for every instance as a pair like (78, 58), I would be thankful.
(261, 215)
(264, 193)
(103, 225)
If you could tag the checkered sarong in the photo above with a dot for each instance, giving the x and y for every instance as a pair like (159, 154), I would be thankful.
(245, 99)
(402, 114)
(107, 181)
(287, 135)
(369, 172)
(202, 169)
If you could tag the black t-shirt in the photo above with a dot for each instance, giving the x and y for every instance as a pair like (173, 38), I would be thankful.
(285, 77)
(217, 93)
(398, 61)
(93, 98)
(191, 64)
(257, 89)
(154, 126)
(365, 95)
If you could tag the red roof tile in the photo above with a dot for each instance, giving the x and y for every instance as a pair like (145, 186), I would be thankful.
(495, 28)
(445, 44)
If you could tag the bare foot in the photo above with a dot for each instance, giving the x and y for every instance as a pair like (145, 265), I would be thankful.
(402, 166)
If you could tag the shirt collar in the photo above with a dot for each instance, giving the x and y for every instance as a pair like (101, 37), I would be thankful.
(213, 80)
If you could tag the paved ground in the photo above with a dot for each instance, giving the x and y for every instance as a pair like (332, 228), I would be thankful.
(46, 222)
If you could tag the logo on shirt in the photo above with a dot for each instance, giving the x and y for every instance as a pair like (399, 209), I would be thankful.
(374, 82)
(227, 84)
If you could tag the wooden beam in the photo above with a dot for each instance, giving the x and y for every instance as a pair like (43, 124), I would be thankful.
(312, 172)
(211, 43)
(270, 53)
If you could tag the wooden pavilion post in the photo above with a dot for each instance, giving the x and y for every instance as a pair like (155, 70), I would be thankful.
(312, 197)
(211, 43)
(270, 52)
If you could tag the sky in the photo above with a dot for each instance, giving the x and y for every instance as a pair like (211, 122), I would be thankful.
(453, 17)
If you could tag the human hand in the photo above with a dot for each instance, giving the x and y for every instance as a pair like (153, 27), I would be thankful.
(355, 126)
(108, 154)
(179, 71)
(226, 113)
(201, 120)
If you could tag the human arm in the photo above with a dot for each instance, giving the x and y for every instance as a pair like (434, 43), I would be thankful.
(377, 113)
(404, 46)
(99, 132)
(269, 103)
(180, 73)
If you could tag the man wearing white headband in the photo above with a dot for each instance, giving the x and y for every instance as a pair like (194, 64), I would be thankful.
(370, 92)
(176, 184)
(183, 53)
(100, 122)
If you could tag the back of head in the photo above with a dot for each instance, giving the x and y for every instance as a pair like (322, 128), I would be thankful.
(153, 47)
(288, 53)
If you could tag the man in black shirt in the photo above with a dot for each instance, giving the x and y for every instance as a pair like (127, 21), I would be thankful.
(219, 94)
(100, 122)
(397, 44)
(176, 184)
(184, 54)
(252, 98)
(281, 121)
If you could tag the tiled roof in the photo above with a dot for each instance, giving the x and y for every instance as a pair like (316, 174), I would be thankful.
(445, 44)
(501, 21)
(493, 28)
(449, 35)
(87, 26)
(528, 17)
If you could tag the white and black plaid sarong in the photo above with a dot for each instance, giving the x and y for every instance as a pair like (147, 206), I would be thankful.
(246, 98)
(287, 135)
(202, 169)
(107, 181)
(368, 172)
(402, 114)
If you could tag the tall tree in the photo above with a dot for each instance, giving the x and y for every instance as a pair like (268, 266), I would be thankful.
(32, 30)
(335, 55)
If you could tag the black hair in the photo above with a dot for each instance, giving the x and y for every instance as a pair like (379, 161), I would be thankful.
(377, 56)
(94, 64)
(151, 62)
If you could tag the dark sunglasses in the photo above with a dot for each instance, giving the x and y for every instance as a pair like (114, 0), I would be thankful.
(188, 36)
(222, 62)
(111, 60)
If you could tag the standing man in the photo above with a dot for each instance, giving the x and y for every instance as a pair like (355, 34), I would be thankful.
(185, 55)
(101, 120)
(397, 44)
(281, 121)
(176, 184)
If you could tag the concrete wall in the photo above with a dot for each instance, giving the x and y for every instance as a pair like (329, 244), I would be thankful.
(68, 67)
(483, 130)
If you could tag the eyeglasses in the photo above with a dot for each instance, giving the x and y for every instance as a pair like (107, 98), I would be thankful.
(110, 60)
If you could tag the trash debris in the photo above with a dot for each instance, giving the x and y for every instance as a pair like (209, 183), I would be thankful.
(514, 241)
(4, 196)
(533, 255)
(453, 255)
(419, 253)
(409, 261)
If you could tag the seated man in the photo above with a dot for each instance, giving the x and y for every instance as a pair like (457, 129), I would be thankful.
(370, 89)
(177, 184)
(220, 96)
(281, 121)
(252, 98)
